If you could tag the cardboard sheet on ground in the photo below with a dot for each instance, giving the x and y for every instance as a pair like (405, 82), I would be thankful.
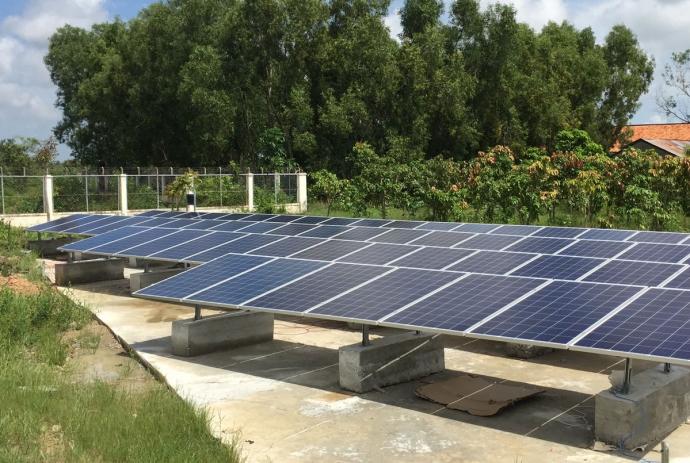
(474, 395)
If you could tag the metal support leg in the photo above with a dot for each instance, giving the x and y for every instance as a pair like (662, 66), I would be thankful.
(147, 267)
(625, 389)
(417, 332)
(365, 335)
(197, 312)
(667, 367)
(70, 257)
(665, 453)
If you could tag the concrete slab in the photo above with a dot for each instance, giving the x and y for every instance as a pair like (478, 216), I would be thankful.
(49, 247)
(283, 401)
(87, 271)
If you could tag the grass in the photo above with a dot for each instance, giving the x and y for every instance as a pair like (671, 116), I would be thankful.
(46, 414)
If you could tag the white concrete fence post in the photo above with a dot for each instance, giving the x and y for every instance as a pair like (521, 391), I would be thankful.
(302, 191)
(249, 183)
(122, 194)
(48, 196)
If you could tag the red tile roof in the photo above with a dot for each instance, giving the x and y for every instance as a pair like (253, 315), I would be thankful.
(677, 131)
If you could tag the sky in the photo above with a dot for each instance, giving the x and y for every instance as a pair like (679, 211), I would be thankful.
(27, 95)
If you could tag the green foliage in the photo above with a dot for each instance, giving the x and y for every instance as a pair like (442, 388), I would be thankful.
(178, 188)
(328, 188)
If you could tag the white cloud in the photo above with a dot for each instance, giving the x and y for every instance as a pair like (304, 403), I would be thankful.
(392, 22)
(27, 95)
(536, 13)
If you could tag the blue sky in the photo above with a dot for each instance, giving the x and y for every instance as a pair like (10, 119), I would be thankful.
(27, 96)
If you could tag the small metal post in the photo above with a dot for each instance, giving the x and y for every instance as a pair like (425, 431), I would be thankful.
(365, 335)
(158, 195)
(2, 189)
(665, 453)
(667, 367)
(417, 332)
(86, 190)
(625, 388)
(197, 312)
(70, 257)
(147, 267)
(220, 185)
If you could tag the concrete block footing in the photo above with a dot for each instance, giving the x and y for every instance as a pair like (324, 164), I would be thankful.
(525, 351)
(195, 337)
(88, 271)
(141, 280)
(658, 403)
(390, 360)
(48, 248)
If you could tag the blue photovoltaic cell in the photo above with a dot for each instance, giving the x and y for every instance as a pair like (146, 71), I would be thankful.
(331, 250)
(198, 278)
(634, 273)
(672, 253)
(236, 216)
(379, 254)
(191, 215)
(311, 219)
(262, 227)
(558, 267)
(214, 215)
(403, 224)
(292, 229)
(72, 222)
(681, 281)
(127, 221)
(522, 230)
(120, 245)
(372, 223)
(231, 225)
(239, 246)
(386, 294)
(432, 258)
(98, 240)
(157, 222)
(287, 246)
(205, 224)
(492, 262)
(160, 244)
(540, 245)
(56, 223)
(284, 218)
(594, 248)
(558, 312)
(196, 246)
(658, 237)
(149, 213)
(176, 223)
(465, 302)
(656, 323)
(325, 231)
(476, 227)
(399, 236)
(361, 233)
(318, 287)
(257, 217)
(441, 226)
(339, 221)
(603, 234)
(169, 214)
(85, 227)
(559, 232)
(489, 242)
(442, 239)
(255, 282)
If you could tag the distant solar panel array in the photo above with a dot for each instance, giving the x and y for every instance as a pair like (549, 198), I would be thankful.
(609, 291)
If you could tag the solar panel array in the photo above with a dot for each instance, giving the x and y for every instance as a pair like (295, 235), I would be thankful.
(576, 288)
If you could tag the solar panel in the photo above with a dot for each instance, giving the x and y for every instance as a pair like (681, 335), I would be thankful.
(177, 223)
(522, 230)
(149, 213)
(257, 217)
(558, 267)
(287, 246)
(57, 222)
(331, 250)
(236, 216)
(231, 226)
(114, 247)
(603, 234)
(201, 244)
(658, 237)
(98, 240)
(379, 254)
(284, 218)
(489, 242)
(339, 221)
(198, 278)
(592, 248)
(74, 222)
(440, 226)
(540, 245)
(191, 215)
(372, 222)
(476, 227)
(318, 287)
(247, 286)
(169, 214)
(382, 296)
(560, 232)
(85, 227)
(162, 243)
(158, 222)
(361, 233)
(127, 221)
(399, 236)
(465, 302)
(325, 231)
(242, 245)
(634, 273)
(431, 258)
(215, 216)
(672, 253)
(261, 227)
(442, 238)
(657, 323)
(403, 224)
(292, 229)
(682, 281)
(204, 224)
(556, 313)
(492, 262)
(311, 219)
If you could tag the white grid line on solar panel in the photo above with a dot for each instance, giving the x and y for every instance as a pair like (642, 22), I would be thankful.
(673, 277)
(112, 225)
(326, 283)
(284, 218)
(439, 226)
(360, 233)
(400, 236)
(231, 225)
(324, 231)
(521, 230)
(595, 248)
(474, 252)
(286, 246)
(291, 229)
(257, 217)
(179, 252)
(246, 243)
(633, 272)
(686, 240)
(87, 244)
(234, 291)
(463, 303)
(476, 227)
(339, 221)
(431, 258)
(57, 222)
(658, 237)
(646, 319)
(90, 229)
(554, 314)
(442, 239)
(406, 224)
(203, 224)
(150, 213)
(163, 244)
(330, 250)
(681, 281)
(671, 253)
(379, 253)
(486, 242)
(230, 237)
(80, 224)
(525, 263)
(593, 270)
(371, 222)
(149, 234)
(311, 219)
(539, 245)
(207, 275)
(490, 262)
(559, 232)
(557, 267)
(261, 227)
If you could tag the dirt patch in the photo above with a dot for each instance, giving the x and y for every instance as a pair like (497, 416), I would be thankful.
(19, 285)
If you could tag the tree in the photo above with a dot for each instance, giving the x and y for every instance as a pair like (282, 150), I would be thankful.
(327, 187)
(417, 15)
(677, 79)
